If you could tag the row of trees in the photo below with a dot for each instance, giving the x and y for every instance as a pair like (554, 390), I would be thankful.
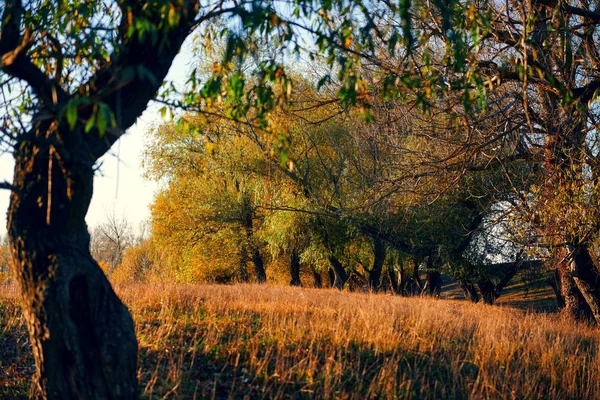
(365, 203)
(507, 99)
(495, 166)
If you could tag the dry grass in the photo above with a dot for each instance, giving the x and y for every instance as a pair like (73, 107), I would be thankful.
(16, 361)
(202, 341)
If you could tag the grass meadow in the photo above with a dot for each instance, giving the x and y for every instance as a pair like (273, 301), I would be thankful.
(251, 341)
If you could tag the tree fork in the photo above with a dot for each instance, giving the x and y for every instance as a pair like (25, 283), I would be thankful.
(571, 303)
(469, 290)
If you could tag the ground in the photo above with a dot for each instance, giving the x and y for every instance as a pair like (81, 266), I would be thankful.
(529, 291)
(251, 341)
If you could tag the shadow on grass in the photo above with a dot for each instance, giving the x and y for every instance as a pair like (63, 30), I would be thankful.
(324, 369)
(364, 374)
(16, 361)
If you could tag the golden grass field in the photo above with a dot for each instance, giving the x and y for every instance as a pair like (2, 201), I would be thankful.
(251, 341)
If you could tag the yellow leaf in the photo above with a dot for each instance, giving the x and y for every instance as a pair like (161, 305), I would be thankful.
(348, 42)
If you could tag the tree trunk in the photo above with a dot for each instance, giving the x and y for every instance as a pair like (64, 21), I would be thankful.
(318, 281)
(510, 274)
(248, 223)
(396, 280)
(488, 291)
(82, 336)
(243, 275)
(331, 275)
(402, 280)
(341, 276)
(295, 269)
(259, 266)
(434, 283)
(470, 290)
(416, 287)
(378, 259)
(587, 279)
(573, 302)
(433, 279)
(555, 285)
(357, 282)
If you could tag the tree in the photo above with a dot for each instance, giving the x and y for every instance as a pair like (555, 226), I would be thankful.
(5, 267)
(141, 262)
(83, 71)
(212, 210)
(521, 80)
(110, 239)
(538, 61)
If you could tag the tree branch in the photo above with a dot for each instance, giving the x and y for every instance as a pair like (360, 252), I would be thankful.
(4, 185)
(16, 63)
(586, 93)
(569, 9)
(136, 72)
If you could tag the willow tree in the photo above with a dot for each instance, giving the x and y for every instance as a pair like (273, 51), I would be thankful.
(540, 60)
(213, 209)
(75, 75)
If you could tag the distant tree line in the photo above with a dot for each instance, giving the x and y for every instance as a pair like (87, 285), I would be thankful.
(326, 197)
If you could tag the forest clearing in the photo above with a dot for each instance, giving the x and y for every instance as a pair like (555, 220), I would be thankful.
(264, 341)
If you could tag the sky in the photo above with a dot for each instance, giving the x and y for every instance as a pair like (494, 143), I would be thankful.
(119, 185)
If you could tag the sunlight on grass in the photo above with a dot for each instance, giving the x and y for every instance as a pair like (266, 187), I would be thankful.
(262, 341)
(251, 341)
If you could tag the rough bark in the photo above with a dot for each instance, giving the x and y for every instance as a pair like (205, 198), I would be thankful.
(340, 275)
(571, 300)
(82, 335)
(295, 269)
(587, 279)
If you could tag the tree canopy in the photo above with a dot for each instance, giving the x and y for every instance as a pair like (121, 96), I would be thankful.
(477, 102)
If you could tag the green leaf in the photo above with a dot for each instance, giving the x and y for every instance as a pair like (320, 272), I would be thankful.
(90, 123)
(102, 123)
(71, 114)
